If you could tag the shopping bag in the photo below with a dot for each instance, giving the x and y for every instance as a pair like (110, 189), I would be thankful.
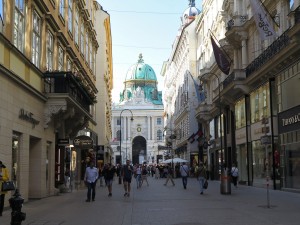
(8, 186)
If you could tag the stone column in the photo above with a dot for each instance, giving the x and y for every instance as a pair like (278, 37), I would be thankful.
(148, 124)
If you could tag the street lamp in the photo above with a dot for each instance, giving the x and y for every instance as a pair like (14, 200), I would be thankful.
(172, 137)
(220, 109)
(120, 179)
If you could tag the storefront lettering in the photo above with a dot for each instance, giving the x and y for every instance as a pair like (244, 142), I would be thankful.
(28, 116)
(291, 120)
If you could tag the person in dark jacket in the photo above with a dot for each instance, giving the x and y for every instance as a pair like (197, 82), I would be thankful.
(109, 173)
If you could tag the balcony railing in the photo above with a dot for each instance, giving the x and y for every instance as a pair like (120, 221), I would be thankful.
(67, 83)
(268, 54)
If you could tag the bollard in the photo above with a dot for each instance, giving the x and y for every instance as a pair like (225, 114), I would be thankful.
(16, 203)
(225, 187)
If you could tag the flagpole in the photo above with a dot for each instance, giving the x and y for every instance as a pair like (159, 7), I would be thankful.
(267, 11)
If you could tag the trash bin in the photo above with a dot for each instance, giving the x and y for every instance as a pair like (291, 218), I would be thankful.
(225, 186)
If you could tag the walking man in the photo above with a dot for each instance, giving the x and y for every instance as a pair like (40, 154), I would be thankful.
(109, 173)
(234, 174)
(184, 172)
(127, 172)
(169, 175)
(90, 178)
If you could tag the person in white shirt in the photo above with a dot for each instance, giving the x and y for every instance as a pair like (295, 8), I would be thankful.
(234, 174)
(90, 179)
(184, 172)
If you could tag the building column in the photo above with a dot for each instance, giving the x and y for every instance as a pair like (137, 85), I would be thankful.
(148, 121)
(129, 128)
(112, 127)
(244, 52)
(153, 131)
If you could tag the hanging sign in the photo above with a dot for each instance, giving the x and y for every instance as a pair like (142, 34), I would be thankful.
(83, 142)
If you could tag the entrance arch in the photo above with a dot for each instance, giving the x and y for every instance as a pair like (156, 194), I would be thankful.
(139, 149)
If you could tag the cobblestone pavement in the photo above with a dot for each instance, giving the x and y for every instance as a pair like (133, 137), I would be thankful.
(157, 204)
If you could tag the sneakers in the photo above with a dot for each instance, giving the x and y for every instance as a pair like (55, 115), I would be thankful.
(201, 193)
(110, 194)
(128, 194)
(88, 200)
(125, 194)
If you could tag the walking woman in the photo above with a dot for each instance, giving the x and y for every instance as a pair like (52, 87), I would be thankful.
(201, 176)
(3, 177)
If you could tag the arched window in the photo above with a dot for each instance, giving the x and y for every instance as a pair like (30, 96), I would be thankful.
(159, 135)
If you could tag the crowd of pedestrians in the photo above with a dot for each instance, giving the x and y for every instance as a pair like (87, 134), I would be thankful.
(139, 173)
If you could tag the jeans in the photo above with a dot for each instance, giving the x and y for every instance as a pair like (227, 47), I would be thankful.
(201, 182)
(184, 181)
(138, 180)
(91, 191)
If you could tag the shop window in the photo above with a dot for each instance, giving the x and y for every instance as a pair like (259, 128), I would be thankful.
(15, 173)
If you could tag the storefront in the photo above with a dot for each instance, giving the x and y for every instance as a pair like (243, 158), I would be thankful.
(289, 133)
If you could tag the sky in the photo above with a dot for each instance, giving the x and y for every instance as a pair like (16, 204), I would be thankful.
(142, 26)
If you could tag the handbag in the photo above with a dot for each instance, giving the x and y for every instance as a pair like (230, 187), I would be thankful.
(8, 186)
(205, 184)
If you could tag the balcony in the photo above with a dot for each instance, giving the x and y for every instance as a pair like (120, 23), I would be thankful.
(67, 83)
(69, 100)
(268, 54)
(237, 20)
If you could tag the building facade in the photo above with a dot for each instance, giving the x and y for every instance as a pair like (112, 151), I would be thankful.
(257, 99)
(104, 84)
(180, 94)
(137, 120)
(47, 75)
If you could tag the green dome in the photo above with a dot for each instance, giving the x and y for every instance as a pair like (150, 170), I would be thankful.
(141, 71)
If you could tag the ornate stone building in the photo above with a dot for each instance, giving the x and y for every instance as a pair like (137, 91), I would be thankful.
(137, 120)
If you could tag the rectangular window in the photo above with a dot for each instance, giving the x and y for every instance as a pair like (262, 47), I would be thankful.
(50, 49)
(158, 121)
(260, 104)
(19, 25)
(70, 16)
(60, 59)
(240, 114)
(69, 65)
(36, 39)
(118, 122)
(76, 26)
(82, 37)
(62, 8)
(91, 57)
(86, 47)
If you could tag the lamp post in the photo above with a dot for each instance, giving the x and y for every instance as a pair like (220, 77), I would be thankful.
(120, 179)
(172, 137)
(220, 109)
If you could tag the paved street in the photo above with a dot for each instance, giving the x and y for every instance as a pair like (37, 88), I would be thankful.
(165, 205)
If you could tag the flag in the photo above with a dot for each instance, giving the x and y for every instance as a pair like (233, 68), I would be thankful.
(198, 135)
(191, 139)
(264, 27)
(200, 94)
(221, 59)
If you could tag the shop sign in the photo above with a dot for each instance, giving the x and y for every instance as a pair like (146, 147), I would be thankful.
(83, 142)
(28, 116)
(289, 120)
(63, 142)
